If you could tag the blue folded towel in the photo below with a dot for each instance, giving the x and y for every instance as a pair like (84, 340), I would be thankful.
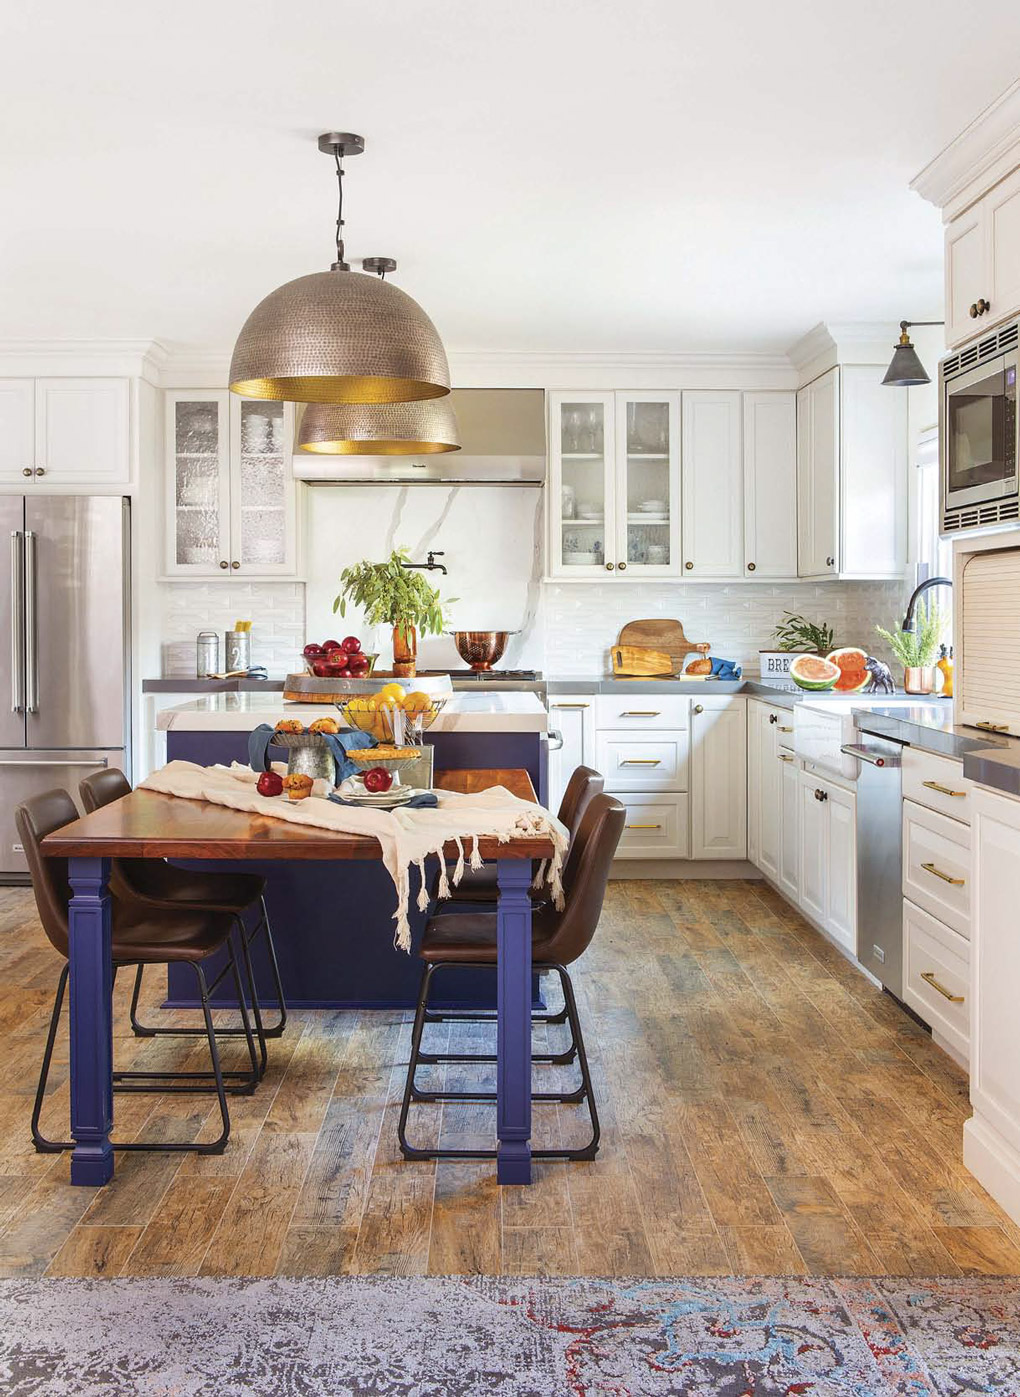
(260, 739)
(724, 669)
(422, 801)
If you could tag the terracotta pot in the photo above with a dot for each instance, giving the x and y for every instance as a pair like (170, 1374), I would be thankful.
(405, 651)
(919, 679)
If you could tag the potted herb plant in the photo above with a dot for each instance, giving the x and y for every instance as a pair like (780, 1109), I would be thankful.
(394, 595)
(795, 635)
(918, 649)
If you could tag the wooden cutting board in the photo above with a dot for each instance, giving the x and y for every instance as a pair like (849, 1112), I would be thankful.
(636, 661)
(663, 635)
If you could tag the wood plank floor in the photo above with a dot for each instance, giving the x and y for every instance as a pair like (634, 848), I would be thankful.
(765, 1110)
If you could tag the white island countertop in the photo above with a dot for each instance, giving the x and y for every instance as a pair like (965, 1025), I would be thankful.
(502, 712)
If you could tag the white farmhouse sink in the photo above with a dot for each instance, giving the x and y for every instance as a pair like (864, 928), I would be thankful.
(823, 726)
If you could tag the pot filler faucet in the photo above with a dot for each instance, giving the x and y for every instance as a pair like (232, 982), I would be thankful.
(430, 565)
(909, 624)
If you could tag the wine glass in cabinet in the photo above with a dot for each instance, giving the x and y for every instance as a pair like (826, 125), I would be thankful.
(582, 492)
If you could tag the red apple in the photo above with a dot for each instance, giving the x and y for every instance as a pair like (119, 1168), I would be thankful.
(270, 783)
(351, 644)
(358, 664)
(321, 670)
(378, 779)
(312, 651)
(344, 673)
(330, 645)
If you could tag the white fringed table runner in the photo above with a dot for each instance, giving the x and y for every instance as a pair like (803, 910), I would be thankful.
(407, 836)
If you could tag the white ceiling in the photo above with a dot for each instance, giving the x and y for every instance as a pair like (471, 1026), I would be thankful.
(550, 174)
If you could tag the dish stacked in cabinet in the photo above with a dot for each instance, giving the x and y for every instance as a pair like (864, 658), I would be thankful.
(937, 803)
(678, 765)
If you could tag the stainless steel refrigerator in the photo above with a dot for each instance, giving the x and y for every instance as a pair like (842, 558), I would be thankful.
(64, 633)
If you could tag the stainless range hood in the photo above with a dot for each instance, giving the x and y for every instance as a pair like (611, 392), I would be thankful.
(502, 433)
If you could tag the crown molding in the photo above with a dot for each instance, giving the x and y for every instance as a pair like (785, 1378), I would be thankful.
(842, 342)
(983, 153)
(41, 358)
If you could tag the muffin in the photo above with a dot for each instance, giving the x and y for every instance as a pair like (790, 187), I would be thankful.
(329, 725)
(290, 725)
(297, 785)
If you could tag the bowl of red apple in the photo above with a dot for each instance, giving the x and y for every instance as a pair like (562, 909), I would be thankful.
(338, 659)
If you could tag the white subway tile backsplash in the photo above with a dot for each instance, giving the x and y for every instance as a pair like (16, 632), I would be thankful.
(275, 609)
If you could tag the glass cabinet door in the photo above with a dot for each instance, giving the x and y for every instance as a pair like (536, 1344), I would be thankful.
(198, 483)
(648, 483)
(582, 497)
(262, 487)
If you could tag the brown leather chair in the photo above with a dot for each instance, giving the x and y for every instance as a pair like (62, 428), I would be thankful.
(141, 935)
(558, 938)
(156, 883)
(478, 885)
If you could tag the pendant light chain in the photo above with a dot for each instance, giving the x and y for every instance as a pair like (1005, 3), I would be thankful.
(340, 265)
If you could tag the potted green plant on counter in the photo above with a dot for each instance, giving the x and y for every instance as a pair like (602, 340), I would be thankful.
(795, 635)
(918, 649)
(393, 594)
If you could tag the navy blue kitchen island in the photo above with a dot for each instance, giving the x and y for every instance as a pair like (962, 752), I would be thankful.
(333, 922)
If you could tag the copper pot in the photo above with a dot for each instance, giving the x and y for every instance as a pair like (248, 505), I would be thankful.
(481, 649)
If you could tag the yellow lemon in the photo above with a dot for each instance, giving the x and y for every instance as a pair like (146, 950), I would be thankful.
(417, 702)
(391, 693)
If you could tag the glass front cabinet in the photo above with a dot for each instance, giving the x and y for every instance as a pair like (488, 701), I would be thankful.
(231, 496)
(614, 485)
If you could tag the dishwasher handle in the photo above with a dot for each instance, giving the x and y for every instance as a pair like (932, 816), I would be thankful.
(869, 755)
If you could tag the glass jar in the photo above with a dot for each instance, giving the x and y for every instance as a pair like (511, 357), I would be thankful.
(405, 651)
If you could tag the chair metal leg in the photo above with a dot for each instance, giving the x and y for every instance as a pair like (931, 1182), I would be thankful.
(412, 1092)
(46, 1146)
(276, 1030)
(256, 1007)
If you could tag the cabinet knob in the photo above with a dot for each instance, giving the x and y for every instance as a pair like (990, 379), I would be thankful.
(27, 470)
(979, 308)
(622, 566)
(689, 566)
(40, 470)
(235, 566)
(610, 566)
(224, 564)
(750, 567)
(698, 708)
(821, 795)
(830, 562)
(773, 717)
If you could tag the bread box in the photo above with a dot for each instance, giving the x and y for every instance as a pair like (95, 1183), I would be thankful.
(986, 626)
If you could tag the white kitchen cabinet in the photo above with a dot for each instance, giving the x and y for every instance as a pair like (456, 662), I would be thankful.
(719, 777)
(764, 791)
(655, 827)
(983, 262)
(852, 496)
(712, 475)
(572, 717)
(992, 1136)
(828, 857)
(635, 761)
(68, 433)
(614, 485)
(231, 499)
(789, 833)
(754, 774)
(770, 485)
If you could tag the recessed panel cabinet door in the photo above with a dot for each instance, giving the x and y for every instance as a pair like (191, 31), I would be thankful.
(17, 430)
(572, 717)
(770, 485)
(770, 811)
(842, 870)
(719, 778)
(82, 430)
(1002, 216)
(789, 850)
(814, 849)
(712, 493)
(966, 272)
(818, 476)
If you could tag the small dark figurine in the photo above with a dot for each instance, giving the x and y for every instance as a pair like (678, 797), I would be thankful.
(881, 677)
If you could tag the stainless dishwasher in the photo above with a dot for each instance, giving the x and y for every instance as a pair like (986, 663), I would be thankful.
(879, 858)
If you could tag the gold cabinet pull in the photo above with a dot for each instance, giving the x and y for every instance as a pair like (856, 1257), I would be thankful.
(928, 976)
(993, 727)
(642, 827)
(785, 757)
(641, 761)
(570, 705)
(942, 790)
(641, 713)
(782, 729)
(946, 877)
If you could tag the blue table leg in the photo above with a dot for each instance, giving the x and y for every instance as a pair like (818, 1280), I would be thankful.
(513, 1079)
(91, 989)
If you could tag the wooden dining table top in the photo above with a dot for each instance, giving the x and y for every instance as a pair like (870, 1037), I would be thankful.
(148, 824)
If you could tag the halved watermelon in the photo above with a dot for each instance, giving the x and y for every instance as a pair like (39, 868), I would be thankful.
(812, 672)
(852, 674)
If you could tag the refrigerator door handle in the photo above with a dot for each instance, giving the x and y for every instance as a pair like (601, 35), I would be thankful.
(53, 761)
(31, 639)
(17, 622)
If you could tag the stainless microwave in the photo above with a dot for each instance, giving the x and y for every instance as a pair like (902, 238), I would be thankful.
(978, 432)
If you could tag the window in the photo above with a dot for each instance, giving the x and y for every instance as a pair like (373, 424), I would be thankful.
(934, 554)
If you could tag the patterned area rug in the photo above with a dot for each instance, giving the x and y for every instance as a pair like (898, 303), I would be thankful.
(440, 1337)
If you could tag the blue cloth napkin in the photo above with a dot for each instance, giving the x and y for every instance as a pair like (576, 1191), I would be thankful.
(261, 738)
(424, 800)
(724, 669)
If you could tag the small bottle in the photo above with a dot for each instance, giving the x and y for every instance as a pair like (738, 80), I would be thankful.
(945, 666)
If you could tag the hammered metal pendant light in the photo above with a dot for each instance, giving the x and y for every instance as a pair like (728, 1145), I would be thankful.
(339, 336)
(423, 428)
